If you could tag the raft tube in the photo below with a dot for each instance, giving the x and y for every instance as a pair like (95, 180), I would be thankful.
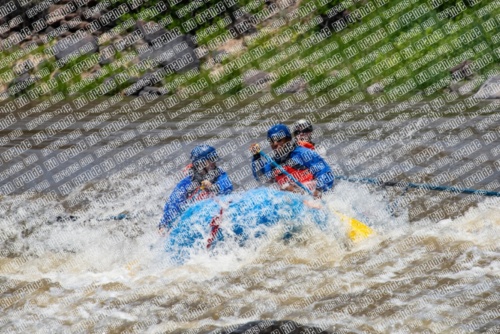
(239, 216)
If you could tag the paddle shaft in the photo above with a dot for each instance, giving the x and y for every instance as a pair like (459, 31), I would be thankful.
(358, 229)
(215, 226)
(420, 186)
(290, 176)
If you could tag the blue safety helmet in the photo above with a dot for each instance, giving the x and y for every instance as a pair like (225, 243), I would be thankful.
(278, 132)
(202, 153)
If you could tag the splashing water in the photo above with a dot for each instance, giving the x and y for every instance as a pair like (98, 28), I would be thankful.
(113, 276)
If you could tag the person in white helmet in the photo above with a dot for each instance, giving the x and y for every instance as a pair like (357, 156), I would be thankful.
(302, 130)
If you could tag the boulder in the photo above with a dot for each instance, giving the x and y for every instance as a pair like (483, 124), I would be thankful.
(89, 41)
(55, 15)
(23, 67)
(294, 86)
(219, 55)
(21, 78)
(38, 40)
(65, 34)
(375, 88)
(253, 77)
(70, 16)
(4, 94)
(271, 326)
(125, 79)
(462, 87)
(490, 89)
(22, 12)
(244, 26)
(146, 82)
(150, 30)
(62, 219)
(141, 47)
(105, 61)
(96, 16)
(80, 11)
(77, 24)
(20, 83)
(177, 54)
(462, 71)
(336, 19)
(110, 23)
(153, 91)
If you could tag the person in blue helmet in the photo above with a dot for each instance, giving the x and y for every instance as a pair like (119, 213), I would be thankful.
(204, 180)
(305, 165)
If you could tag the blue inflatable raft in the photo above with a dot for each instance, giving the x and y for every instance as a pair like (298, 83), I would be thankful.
(240, 217)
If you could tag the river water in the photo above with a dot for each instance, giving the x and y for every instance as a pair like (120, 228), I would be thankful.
(67, 266)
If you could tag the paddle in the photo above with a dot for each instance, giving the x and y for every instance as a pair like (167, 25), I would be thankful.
(215, 226)
(358, 229)
(421, 186)
(215, 222)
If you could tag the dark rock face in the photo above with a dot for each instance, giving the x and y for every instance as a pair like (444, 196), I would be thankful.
(270, 326)
(83, 25)
(86, 45)
(20, 83)
(462, 71)
(145, 84)
(150, 30)
(22, 11)
(336, 20)
(24, 67)
(105, 61)
(244, 26)
(54, 17)
(21, 78)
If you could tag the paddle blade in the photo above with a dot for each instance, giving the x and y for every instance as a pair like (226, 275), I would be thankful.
(359, 231)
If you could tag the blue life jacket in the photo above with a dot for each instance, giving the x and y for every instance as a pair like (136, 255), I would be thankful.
(188, 191)
(301, 162)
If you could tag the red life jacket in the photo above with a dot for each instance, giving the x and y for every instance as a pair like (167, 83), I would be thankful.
(306, 144)
(301, 175)
(186, 169)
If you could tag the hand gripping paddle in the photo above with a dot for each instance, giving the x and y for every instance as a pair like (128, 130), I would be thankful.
(358, 231)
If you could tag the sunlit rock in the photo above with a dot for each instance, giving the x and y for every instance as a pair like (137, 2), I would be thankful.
(490, 89)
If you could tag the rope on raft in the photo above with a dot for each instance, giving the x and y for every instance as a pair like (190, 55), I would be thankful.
(420, 186)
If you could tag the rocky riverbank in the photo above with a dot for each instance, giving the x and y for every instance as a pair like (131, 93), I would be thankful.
(384, 49)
